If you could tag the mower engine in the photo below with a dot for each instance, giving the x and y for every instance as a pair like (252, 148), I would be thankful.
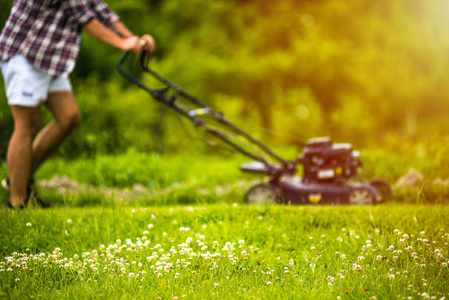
(324, 161)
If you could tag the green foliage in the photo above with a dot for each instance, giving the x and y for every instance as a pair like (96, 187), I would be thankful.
(286, 70)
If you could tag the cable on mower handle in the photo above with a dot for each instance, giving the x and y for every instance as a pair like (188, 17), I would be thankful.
(160, 94)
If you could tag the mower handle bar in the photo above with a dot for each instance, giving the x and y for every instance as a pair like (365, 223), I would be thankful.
(160, 95)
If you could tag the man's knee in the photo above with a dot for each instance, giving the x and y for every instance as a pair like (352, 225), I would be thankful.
(26, 120)
(71, 120)
(64, 109)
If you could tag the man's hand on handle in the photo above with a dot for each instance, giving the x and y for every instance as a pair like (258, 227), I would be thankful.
(136, 44)
(148, 43)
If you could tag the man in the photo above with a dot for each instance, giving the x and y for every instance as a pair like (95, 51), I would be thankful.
(38, 48)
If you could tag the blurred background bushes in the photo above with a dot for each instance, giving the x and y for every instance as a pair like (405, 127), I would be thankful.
(372, 73)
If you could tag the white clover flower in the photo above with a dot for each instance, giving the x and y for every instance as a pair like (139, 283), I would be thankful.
(339, 239)
(159, 275)
(379, 257)
(17, 279)
(391, 276)
(356, 267)
(215, 285)
(268, 282)
(425, 296)
(28, 224)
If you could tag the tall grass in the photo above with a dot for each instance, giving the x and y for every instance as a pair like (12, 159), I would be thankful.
(226, 251)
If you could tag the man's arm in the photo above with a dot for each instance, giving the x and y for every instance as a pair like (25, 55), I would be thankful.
(122, 29)
(128, 42)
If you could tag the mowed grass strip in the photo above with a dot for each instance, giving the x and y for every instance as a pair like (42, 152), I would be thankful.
(226, 251)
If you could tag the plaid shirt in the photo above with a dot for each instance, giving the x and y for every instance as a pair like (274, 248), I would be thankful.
(47, 32)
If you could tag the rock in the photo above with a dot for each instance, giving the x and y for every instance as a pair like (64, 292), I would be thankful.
(413, 179)
(439, 182)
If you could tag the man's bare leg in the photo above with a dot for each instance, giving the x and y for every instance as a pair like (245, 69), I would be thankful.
(66, 115)
(19, 154)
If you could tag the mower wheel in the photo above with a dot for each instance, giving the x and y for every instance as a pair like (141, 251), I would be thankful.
(361, 196)
(383, 187)
(262, 194)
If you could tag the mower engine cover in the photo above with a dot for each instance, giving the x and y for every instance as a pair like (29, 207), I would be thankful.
(324, 161)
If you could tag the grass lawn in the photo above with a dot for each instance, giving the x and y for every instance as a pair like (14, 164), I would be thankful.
(225, 251)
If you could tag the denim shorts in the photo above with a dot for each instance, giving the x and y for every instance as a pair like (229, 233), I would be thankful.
(26, 86)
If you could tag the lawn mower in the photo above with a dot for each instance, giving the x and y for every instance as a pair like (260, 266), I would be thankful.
(329, 169)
